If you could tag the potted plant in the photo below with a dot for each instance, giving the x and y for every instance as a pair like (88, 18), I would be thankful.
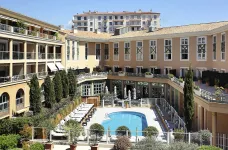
(121, 73)
(49, 145)
(96, 130)
(207, 80)
(199, 80)
(218, 92)
(181, 82)
(123, 131)
(74, 129)
(216, 82)
(126, 104)
(197, 90)
(148, 75)
(226, 88)
(171, 77)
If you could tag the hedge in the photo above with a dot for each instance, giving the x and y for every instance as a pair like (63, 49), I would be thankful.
(9, 141)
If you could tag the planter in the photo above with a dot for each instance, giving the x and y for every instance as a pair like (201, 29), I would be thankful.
(94, 147)
(172, 79)
(49, 146)
(73, 147)
(197, 92)
(149, 76)
(126, 105)
(121, 74)
(182, 84)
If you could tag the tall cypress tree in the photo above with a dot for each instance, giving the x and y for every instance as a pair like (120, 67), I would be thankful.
(35, 95)
(58, 87)
(65, 83)
(188, 99)
(72, 83)
(49, 92)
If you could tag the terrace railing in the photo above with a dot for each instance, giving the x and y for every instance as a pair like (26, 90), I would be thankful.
(87, 76)
(4, 55)
(18, 55)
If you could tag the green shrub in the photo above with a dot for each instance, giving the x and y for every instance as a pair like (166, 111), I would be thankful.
(26, 132)
(178, 134)
(122, 143)
(122, 131)
(97, 130)
(58, 87)
(208, 148)
(37, 146)
(149, 143)
(170, 75)
(150, 131)
(9, 141)
(182, 146)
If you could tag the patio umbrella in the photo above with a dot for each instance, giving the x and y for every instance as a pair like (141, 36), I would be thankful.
(134, 90)
(115, 93)
(106, 90)
(129, 95)
(125, 92)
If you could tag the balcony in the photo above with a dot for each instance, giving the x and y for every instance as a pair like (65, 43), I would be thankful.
(91, 76)
(18, 55)
(31, 55)
(16, 78)
(50, 55)
(41, 56)
(58, 56)
(4, 55)
(17, 30)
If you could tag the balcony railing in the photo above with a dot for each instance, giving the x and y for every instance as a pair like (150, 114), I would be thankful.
(87, 76)
(42, 74)
(50, 56)
(18, 77)
(31, 55)
(58, 56)
(4, 55)
(41, 56)
(17, 30)
(18, 55)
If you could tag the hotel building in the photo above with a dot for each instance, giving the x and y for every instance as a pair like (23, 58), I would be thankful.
(109, 21)
(42, 49)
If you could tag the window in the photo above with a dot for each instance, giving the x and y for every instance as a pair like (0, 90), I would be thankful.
(144, 22)
(155, 23)
(153, 50)
(99, 17)
(116, 17)
(110, 23)
(110, 29)
(152, 69)
(201, 48)
(98, 88)
(139, 69)
(68, 50)
(86, 51)
(91, 23)
(168, 50)
(116, 52)
(223, 47)
(121, 23)
(73, 50)
(121, 17)
(127, 54)
(4, 102)
(86, 90)
(110, 17)
(116, 23)
(167, 70)
(127, 17)
(183, 71)
(98, 51)
(105, 17)
(126, 68)
(99, 23)
(139, 51)
(106, 49)
(79, 18)
(91, 17)
(199, 71)
(214, 47)
(143, 17)
(78, 50)
(184, 48)
(155, 16)
(91, 29)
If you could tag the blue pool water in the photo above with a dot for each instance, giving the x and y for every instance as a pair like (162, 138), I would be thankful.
(132, 120)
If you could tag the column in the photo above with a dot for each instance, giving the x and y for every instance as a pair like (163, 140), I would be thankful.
(205, 118)
(92, 89)
(25, 57)
(54, 50)
(10, 49)
(202, 118)
(37, 47)
(46, 51)
(214, 127)
(199, 117)
(149, 90)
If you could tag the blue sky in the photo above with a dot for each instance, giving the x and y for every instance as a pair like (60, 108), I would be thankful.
(173, 12)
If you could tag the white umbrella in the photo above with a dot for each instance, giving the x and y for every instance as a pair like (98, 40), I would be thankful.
(115, 93)
(106, 90)
(125, 92)
(129, 95)
(134, 93)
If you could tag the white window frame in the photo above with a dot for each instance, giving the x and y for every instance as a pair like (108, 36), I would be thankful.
(167, 67)
(201, 69)
(214, 56)
(153, 67)
(126, 67)
(205, 59)
(155, 48)
(184, 38)
(99, 57)
(137, 55)
(168, 53)
(225, 48)
(129, 55)
(114, 66)
(108, 52)
(116, 58)
(222, 70)
(137, 70)
(181, 71)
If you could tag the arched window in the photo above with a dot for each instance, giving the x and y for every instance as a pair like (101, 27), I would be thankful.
(20, 96)
(4, 102)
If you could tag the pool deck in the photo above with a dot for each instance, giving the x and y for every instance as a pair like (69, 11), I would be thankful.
(152, 119)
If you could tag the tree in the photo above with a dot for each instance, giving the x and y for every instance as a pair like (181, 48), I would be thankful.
(97, 130)
(65, 83)
(123, 131)
(58, 87)
(49, 92)
(72, 83)
(151, 131)
(188, 99)
(34, 95)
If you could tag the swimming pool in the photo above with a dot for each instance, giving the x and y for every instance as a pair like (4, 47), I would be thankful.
(130, 119)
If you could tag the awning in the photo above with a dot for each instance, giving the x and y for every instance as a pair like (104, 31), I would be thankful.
(59, 66)
(52, 67)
